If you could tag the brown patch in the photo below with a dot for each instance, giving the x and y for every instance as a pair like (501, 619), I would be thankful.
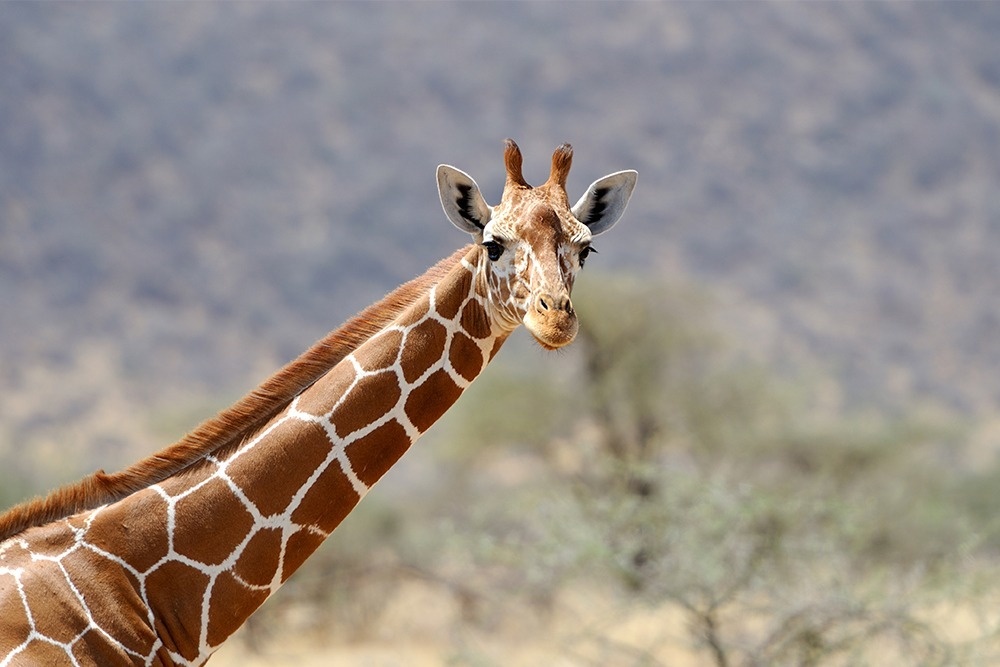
(328, 501)
(44, 653)
(16, 555)
(50, 540)
(135, 531)
(451, 294)
(61, 621)
(259, 560)
(416, 313)
(424, 348)
(475, 321)
(56, 539)
(111, 595)
(175, 593)
(277, 467)
(430, 400)
(381, 351)
(231, 605)
(300, 546)
(188, 478)
(94, 648)
(320, 398)
(15, 620)
(465, 356)
(374, 454)
(371, 398)
(210, 523)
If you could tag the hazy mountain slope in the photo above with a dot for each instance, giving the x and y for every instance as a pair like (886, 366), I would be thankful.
(190, 194)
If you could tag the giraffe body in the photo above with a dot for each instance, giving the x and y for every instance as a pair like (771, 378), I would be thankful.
(164, 573)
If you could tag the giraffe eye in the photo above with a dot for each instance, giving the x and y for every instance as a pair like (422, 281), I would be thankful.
(493, 250)
(585, 253)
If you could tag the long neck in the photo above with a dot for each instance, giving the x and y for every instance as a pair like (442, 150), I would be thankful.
(240, 525)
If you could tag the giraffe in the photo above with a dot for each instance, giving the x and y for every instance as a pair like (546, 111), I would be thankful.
(158, 564)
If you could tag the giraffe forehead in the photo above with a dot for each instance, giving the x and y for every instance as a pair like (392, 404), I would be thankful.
(540, 224)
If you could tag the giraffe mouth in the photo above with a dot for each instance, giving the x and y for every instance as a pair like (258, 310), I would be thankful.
(552, 330)
(551, 319)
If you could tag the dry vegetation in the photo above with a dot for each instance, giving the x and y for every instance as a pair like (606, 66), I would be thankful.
(654, 499)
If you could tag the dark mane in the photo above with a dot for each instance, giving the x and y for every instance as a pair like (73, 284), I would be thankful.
(232, 424)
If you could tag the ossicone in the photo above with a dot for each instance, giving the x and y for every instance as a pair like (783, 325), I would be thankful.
(562, 160)
(512, 161)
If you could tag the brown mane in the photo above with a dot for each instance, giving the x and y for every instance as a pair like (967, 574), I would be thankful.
(234, 423)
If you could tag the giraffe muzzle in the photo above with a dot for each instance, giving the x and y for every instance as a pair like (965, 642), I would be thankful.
(551, 320)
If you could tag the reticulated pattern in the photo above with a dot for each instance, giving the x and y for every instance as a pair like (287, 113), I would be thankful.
(212, 543)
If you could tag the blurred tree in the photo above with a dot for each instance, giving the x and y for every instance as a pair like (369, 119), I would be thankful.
(696, 478)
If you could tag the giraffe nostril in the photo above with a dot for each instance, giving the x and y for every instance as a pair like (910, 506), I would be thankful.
(545, 303)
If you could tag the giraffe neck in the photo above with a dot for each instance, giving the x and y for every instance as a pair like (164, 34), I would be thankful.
(204, 548)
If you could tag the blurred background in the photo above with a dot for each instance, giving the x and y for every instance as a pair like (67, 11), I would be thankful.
(776, 440)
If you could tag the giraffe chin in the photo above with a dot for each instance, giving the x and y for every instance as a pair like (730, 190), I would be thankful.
(553, 332)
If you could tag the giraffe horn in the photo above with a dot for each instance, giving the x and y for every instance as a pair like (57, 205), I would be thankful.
(512, 160)
(562, 159)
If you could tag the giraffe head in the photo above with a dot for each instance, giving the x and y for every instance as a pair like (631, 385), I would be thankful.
(533, 242)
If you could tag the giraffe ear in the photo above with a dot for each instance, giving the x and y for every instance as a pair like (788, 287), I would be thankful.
(605, 201)
(462, 201)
